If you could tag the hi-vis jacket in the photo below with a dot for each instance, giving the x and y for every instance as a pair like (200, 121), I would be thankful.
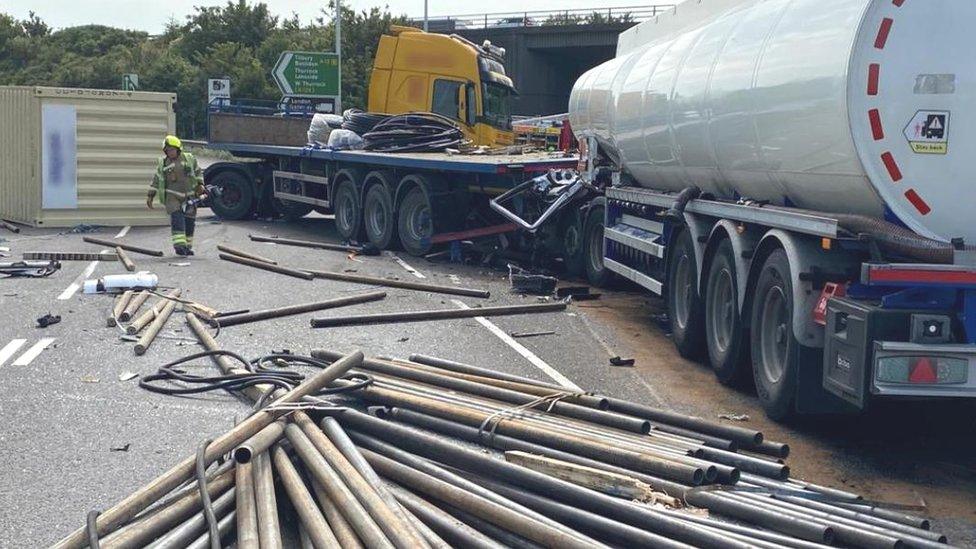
(176, 181)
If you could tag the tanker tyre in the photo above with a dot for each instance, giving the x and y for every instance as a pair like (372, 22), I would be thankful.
(348, 213)
(775, 350)
(686, 311)
(236, 197)
(724, 331)
(415, 222)
(379, 217)
(596, 272)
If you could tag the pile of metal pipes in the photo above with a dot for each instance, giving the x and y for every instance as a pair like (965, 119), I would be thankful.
(434, 453)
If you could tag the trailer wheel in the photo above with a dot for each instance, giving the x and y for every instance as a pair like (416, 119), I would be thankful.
(723, 323)
(236, 197)
(596, 273)
(379, 217)
(348, 215)
(685, 309)
(415, 222)
(775, 350)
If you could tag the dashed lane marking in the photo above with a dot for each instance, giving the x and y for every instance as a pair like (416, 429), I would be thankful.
(71, 289)
(32, 353)
(404, 264)
(124, 231)
(10, 350)
(520, 349)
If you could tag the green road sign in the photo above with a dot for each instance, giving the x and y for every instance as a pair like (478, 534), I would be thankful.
(307, 74)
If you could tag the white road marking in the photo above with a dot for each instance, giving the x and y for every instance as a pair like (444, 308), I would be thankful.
(652, 391)
(32, 353)
(403, 264)
(123, 232)
(520, 349)
(10, 349)
(70, 290)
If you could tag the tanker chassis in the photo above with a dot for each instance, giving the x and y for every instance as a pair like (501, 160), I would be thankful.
(784, 174)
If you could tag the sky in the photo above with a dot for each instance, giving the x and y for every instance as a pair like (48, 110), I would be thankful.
(152, 16)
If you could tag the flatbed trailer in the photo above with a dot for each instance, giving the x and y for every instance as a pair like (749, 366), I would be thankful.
(408, 200)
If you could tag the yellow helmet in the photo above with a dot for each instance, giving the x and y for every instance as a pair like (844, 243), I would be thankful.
(172, 141)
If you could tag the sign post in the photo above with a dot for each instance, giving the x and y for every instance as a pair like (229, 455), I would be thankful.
(309, 75)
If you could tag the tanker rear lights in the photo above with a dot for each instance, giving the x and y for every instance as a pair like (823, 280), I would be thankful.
(922, 370)
(905, 275)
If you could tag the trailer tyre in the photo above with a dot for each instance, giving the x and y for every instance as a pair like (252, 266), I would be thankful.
(236, 197)
(775, 350)
(348, 214)
(291, 210)
(596, 272)
(379, 217)
(415, 222)
(686, 312)
(723, 322)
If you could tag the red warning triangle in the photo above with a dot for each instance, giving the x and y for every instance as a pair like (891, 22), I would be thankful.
(923, 372)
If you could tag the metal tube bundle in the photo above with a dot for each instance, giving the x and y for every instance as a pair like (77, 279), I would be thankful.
(425, 470)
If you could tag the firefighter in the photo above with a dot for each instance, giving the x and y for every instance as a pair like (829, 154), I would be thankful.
(177, 184)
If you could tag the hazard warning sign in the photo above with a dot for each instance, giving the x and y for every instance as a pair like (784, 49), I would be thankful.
(928, 132)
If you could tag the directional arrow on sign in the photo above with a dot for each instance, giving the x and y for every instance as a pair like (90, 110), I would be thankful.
(279, 73)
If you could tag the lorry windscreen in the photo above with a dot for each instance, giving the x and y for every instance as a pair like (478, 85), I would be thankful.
(497, 107)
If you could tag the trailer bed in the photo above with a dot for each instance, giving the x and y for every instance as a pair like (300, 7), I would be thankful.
(468, 163)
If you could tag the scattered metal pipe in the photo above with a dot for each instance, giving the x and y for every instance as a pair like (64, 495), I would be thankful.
(488, 510)
(224, 526)
(341, 440)
(120, 304)
(133, 306)
(311, 518)
(455, 531)
(739, 434)
(266, 266)
(278, 312)
(124, 258)
(147, 317)
(263, 440)
(117, 515)
(141, 532)
(147, 338)
(9, 226)
(445, 452)
(241, 253)
(305, 243)
(479, 371)
(442, 314)
(266, 504)
(393, 525)
(405, 284)
(247, 513)
(128, 247)
(186, 533)
(343, 531)
(337, 490)
(70, 256)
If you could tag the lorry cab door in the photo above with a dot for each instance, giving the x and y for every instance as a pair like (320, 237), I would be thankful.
(449, 97)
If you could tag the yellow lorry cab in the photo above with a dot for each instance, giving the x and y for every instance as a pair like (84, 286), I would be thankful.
(448, 75)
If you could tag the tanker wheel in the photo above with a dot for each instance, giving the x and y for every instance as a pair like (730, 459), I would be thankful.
(596, 272)
(379, 217)
(571, 229)
(686, 312)
(775, 350)
(723, 323)
(348, 215)
(415, 222)
(236, 196)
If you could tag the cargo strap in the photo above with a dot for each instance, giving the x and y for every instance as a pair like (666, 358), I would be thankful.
(491, 422)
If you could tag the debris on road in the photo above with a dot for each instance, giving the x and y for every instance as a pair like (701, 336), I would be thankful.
(148, 316)
(248, 255)
(527, 282)
(441, 314)
(9, 226)
(71, 256)
(620, 361)
(121, 302)
(29, 269)
(577, 293)
(553, 467)
(47, 320)
(124, 258)
(266, 266)
(133, 306)
(123, 448)
(126, 376)
(128, 247)
(255, 316)
(361, 250)
(396, 283)
(734, 417)
(115, 283)
(518, 335)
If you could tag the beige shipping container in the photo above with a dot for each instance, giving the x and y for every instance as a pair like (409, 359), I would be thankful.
(71, 156)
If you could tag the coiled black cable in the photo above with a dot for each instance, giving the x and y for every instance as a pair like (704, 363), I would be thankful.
(361, 122)
(414, 132)
(200, 470)
(91, 528)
